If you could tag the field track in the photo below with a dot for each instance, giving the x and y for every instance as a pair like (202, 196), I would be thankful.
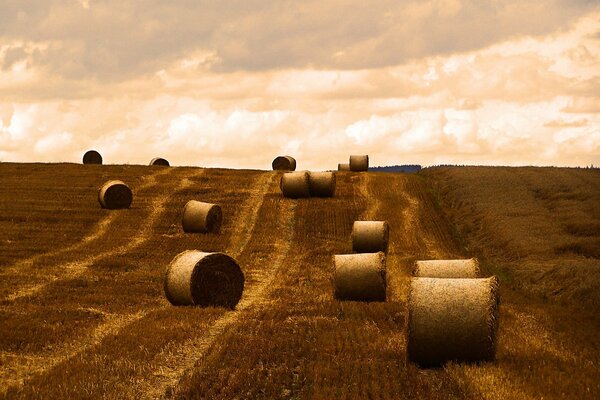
(83, 312)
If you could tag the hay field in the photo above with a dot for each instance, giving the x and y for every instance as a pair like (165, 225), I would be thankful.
(83, 315)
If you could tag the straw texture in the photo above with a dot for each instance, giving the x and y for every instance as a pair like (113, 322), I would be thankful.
(295, 184)
(452, 319)
(92, 157)
(344, 167)
(359, 277)
(204, 279)
(201, 217)
(114, 195)
(159, 161)
(321, 184)
(284, 163)
(370, 236)
(447, 268)
(359, 163)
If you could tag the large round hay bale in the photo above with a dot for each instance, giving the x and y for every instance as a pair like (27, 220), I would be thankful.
(92, 157)
(343, 167)
(321, 184)
(204, 279)
(447, 268)
(359, 277)
(359, 163)
(452, 319)
(284, 163)
(114, 195)
(201, 217)
(370, 236)
(295, 184)
(159, 161)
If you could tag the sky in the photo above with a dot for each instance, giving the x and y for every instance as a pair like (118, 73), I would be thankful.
(235, 83)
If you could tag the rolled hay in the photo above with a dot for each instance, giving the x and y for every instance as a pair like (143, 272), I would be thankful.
(447, 268)
(201, 217)
(452, 319)
(370, 236)
(344, 167)
(359, 277)
(92, 157)
(114, 195)
(321, 184)
(284, 163)
(204, 279)
(359, 163)
(295, 184)
(159, 161)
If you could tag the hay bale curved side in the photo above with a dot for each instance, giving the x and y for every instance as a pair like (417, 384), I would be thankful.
(447, 268)
(359, 277)
(370, 236)
(204, 279)
(359, 163)
(343, 167)
(114, 195)
(201, 217)
(321, 184)
(92, 157)
(295, 184)
(159, 161)
(452, 319)
(284, 163)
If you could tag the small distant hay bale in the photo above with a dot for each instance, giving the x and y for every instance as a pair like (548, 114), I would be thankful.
(284, 163)
(295, 185)
(359, 163)
(114, 195)
(159, 161)
(92, 157)
(452, 319)
(447, 268)
(321, 184)
(370, 236)
(359, 277)
(343, 167)
(201, 217)
(204, 279)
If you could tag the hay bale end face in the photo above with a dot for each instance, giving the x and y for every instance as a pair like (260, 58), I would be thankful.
(284, 163)
(359, 163)
(370, 236)
(159, 161)
(295, 185)
(92, 157)
(204, 279)
(359, 277)
(321, 184)
(447, 268)
(344, 167)
(201, 217)
(452, 319)
(115, 195)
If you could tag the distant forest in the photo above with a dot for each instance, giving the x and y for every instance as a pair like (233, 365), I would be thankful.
(397, 168)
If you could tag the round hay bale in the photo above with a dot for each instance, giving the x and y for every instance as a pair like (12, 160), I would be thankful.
(452, 319)
(114, 195)
(447, 268)
(370, 236)
(92, 157)
(201, 217)
(321, 184)
(159, 161)
(344, 167)
(295, 184)
(204, 279)
(284, 163)
(359, 277)
(359, 163)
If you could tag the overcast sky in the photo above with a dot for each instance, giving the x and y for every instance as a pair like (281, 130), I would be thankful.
(235, 83)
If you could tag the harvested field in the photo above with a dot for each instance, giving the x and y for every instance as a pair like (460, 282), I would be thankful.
(83, 312)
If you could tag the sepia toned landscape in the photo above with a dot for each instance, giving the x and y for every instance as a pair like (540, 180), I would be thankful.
(83, 312)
